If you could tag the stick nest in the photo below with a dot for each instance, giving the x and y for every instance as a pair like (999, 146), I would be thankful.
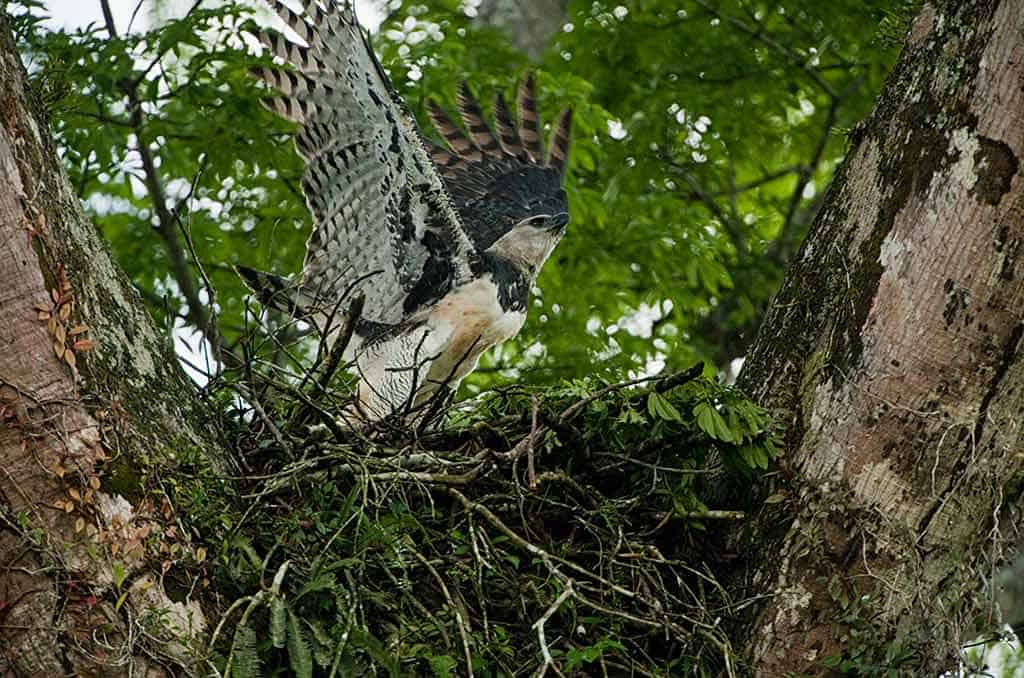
(562, 530)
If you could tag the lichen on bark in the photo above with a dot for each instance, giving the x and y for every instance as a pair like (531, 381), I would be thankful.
(894, 354)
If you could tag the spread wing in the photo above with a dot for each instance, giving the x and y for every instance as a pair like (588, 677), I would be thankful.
(497, 181)
(383, 221)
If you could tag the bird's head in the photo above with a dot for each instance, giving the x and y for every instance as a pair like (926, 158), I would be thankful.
(530, 241)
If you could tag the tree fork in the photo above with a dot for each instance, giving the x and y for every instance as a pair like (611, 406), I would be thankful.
(893, 357)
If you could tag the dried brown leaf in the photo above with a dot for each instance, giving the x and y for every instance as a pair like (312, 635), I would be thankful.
(84, 345)
(94, 482)
(79, 525)
(78, 329)
(58, 348)
(69, 358)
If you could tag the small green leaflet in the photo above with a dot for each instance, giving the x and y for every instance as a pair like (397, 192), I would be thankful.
(660, 408)
(712, 423)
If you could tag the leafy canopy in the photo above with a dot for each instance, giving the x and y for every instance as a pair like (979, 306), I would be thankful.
(706, 133)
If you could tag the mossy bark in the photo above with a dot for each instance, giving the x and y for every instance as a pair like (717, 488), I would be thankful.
(84, 378)
(893, 356)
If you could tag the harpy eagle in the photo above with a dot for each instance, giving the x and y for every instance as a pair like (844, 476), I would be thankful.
(444, 243)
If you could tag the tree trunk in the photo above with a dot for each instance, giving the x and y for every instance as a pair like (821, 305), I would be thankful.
(530, 23)
(893, 356)
(89, 394)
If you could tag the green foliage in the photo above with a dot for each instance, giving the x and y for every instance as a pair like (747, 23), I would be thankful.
(244, 652)
(299, 655)
(682, 220)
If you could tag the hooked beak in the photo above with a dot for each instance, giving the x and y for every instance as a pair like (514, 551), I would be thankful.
(559, 221)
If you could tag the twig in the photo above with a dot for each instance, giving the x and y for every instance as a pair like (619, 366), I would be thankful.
(166, 223)
(759, 35)
(456, 610)
(334, 360)
(539, 624)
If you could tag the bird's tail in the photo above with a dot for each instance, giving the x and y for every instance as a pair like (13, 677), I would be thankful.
(273, 291)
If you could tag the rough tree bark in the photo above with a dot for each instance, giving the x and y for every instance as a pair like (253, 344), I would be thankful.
(893, 355)
(88, 388)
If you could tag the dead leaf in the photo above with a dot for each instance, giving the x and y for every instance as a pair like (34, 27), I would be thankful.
(59, 470)
(84, 345)
(75, 494)
(79, 525)
(58, 348)
(94, 482)
(55, 295)
(78, 329)
(59, 505)
(68, 507)
(69, 358)
(51, 326)
(42, 308)
(65, 312)
(44, 315)
(114, 548)
(87, 498)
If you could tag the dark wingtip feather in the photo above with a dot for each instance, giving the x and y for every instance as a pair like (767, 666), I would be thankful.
(272, 291)
(529, 121)
(558, 147)
(473, 118)
(508, 133)
(450, 132)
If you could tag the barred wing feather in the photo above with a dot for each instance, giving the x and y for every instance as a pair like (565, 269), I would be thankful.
(383, 220)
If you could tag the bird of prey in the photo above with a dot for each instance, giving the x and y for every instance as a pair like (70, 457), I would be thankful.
(443, 241)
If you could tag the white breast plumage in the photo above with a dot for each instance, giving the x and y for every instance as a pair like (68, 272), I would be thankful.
(472, 320)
